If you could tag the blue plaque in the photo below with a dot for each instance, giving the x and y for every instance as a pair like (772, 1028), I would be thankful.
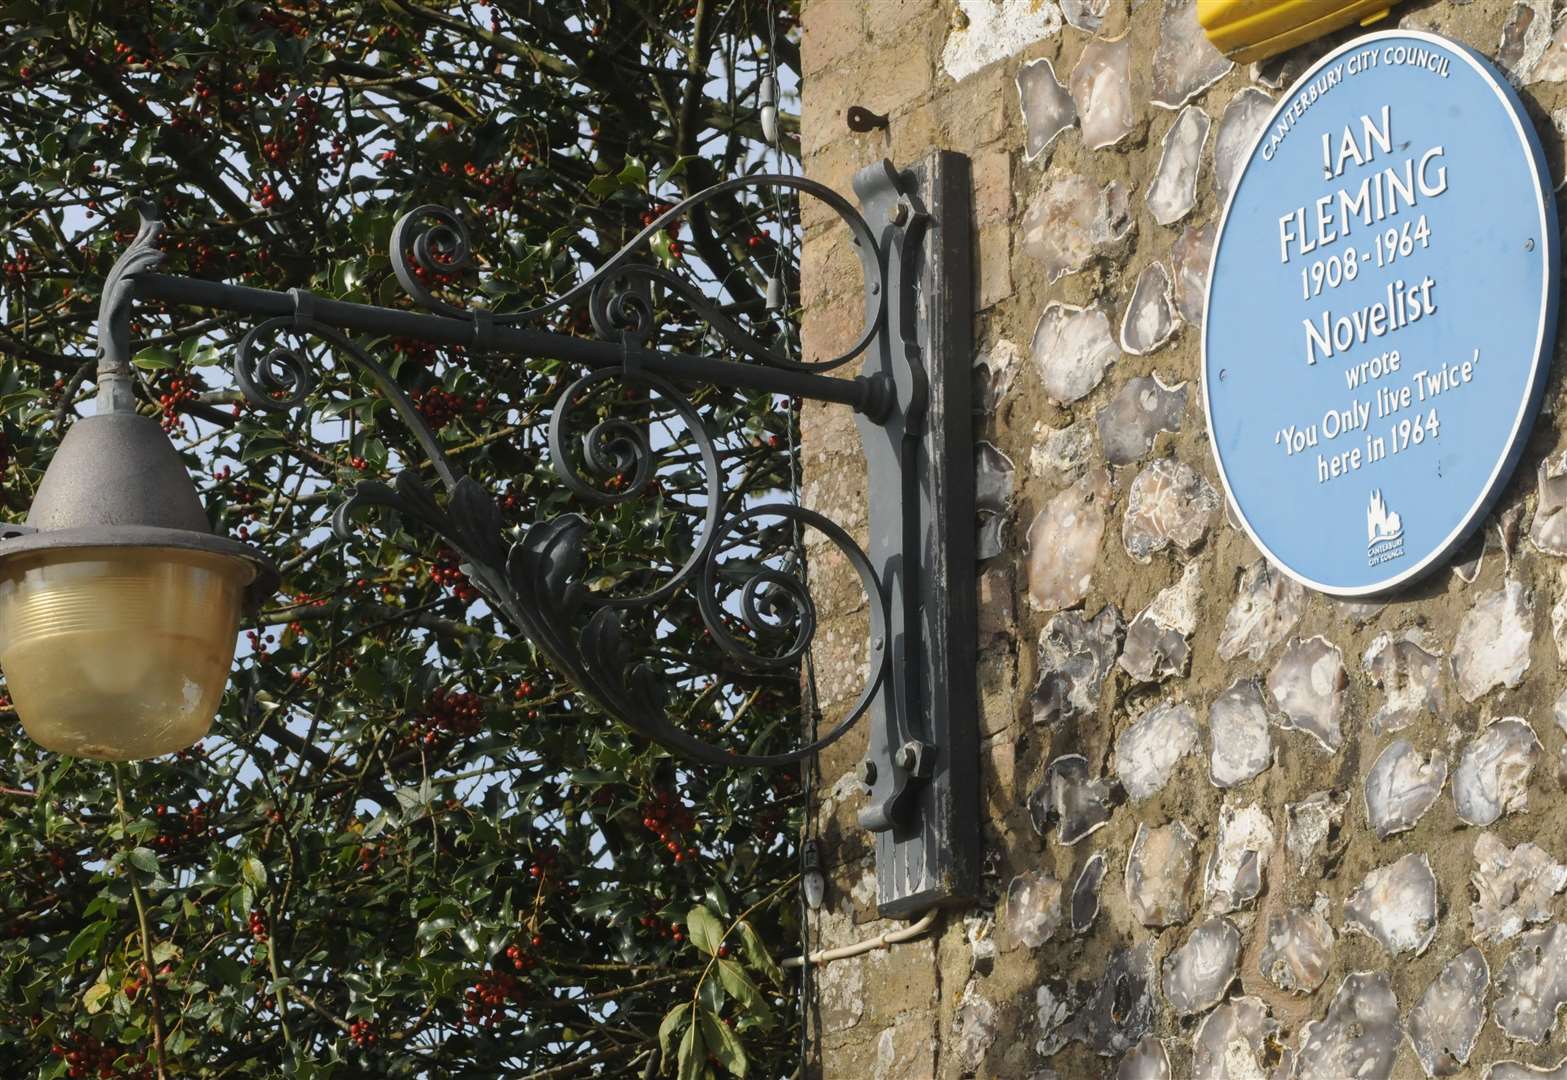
(1381, 306)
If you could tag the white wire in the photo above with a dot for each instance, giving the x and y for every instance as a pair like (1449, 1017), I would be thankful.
(880, 941)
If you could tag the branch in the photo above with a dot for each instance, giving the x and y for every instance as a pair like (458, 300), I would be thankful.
(146, 941)
(316, 612)
(194, 160)
(540, 59)
(592, 1059)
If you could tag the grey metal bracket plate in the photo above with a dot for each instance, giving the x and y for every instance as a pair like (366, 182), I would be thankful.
(924, 804)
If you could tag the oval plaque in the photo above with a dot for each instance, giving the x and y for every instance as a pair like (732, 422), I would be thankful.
(1380, 305)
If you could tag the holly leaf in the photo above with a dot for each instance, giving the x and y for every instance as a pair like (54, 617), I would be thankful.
(429, 928)
(87, 940)
(743, 990)
(675, 169)
(692, 1056)
(659, 243)
(667, 1029)
(94, 998)
(633, 174)
(756, 952)
(254, 872)
(704, 929)
(723, 1044)
(156, 358)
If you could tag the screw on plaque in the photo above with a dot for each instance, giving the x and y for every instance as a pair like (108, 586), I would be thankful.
(862, 119)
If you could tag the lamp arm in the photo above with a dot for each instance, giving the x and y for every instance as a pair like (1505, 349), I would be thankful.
(116, 385)
(912, 409)
(536, 582)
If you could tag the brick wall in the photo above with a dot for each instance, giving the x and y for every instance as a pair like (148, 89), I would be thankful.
(1010, 988)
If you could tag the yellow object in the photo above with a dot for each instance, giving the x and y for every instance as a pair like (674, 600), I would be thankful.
(1247, 30)
(118, 653)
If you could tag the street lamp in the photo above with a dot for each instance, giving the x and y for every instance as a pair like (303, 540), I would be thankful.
(119, 608)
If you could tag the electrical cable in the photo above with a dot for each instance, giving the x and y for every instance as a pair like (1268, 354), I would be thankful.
(880, 941)
(778, 303)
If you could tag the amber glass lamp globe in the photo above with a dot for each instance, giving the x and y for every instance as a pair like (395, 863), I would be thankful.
(118, 652)
(119, 609)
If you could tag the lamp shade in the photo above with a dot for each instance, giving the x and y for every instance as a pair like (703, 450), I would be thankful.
(118, 652)
(118, 607)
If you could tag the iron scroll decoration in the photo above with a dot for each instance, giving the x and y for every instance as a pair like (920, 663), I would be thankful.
(536, 582)
(912, 408)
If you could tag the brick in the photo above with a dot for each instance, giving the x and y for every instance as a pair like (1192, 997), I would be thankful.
(997, 613)
(824, 105)
(830, 267)
(816, 217)
(992, 172)
(915, 29)
(840, 986)
(832, 327)
(831, 31)
(827, 431)
(977, 111)
(914, 134)
(904, 1050)
(997, 691)
(894, 79)
(841, 663)
(835, 587)
(886, 81)
(834, 165)
(841, 757)
(837, 491)
(993, 282)
(903, 978)
(838, 820)
(998, 765)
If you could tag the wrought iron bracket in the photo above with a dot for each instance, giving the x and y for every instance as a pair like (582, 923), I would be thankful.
(912, 406)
